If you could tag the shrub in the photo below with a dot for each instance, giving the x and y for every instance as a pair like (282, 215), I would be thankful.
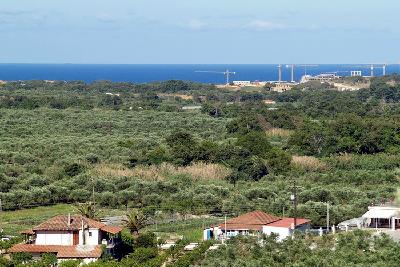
(73, 169)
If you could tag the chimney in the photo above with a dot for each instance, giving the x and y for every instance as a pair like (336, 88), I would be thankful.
(83, 234)
(69, 219)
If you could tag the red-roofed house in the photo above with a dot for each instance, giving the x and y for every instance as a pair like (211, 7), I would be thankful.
(70, 237)
(256, 222)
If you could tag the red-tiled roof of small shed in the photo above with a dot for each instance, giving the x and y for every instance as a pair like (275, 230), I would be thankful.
(288, 222)
(60, 223)
(111, 229)
(27, 232)
(86, 251)
(249, 221)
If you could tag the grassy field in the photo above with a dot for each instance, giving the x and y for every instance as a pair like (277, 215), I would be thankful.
(191, 230)
(13, 222)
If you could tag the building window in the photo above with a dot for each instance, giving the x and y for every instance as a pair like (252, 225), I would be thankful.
(90, 233)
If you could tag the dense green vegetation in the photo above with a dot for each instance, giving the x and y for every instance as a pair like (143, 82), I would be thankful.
(137, 148)
(358, 248)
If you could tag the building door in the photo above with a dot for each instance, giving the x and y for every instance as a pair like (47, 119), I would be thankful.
(75, 238)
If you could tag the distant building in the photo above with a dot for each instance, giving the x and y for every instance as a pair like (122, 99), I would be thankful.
(324, 77)
(269, 102)
(241, 83)
(254, 223)
(112, 94)
(70, 237)
(385, 216)
(282, 87)
(191, 107)
(356, 73)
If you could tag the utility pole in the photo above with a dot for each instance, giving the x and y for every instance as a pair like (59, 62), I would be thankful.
(1, 209)
(327, 217)
(225, 233)
(93, 190)
(293, 197)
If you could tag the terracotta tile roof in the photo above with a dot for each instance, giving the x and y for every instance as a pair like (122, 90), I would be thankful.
(257, 219)
(30, 248)
(61, 251)
(250, 221)
(112, 229)
(60, 223)
(80, 252)
(287, 222)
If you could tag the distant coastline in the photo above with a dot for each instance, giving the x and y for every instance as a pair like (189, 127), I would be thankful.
(142, 73)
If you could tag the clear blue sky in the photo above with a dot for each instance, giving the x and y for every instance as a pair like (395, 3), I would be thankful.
(199, 31)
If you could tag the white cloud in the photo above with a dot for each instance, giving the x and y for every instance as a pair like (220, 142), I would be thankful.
(265, 25)
(196, 24)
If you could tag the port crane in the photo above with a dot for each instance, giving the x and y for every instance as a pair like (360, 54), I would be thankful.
(227, 73)
(280, 73)
(293, 66)
(383, 67)
(372, 67)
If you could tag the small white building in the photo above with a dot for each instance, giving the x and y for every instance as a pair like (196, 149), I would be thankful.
(284, 228)
(257, 222)
(385, 216)
(242, 83)
(70, 237)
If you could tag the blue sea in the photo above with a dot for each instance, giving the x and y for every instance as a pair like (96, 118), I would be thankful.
(149, 73)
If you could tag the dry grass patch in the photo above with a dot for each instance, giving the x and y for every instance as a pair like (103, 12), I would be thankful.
(112, 170)
(203, 171)
(197, 171)
(345, 159)
(278, 132)
(309, 163)
(184, 97)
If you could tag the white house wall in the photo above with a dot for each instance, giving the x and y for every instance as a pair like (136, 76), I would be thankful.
(62, 238)
(65, 238)
(90, 240)
(282, 232)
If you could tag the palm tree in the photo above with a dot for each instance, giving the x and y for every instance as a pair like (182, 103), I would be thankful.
(87, 210)
(135, 220)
